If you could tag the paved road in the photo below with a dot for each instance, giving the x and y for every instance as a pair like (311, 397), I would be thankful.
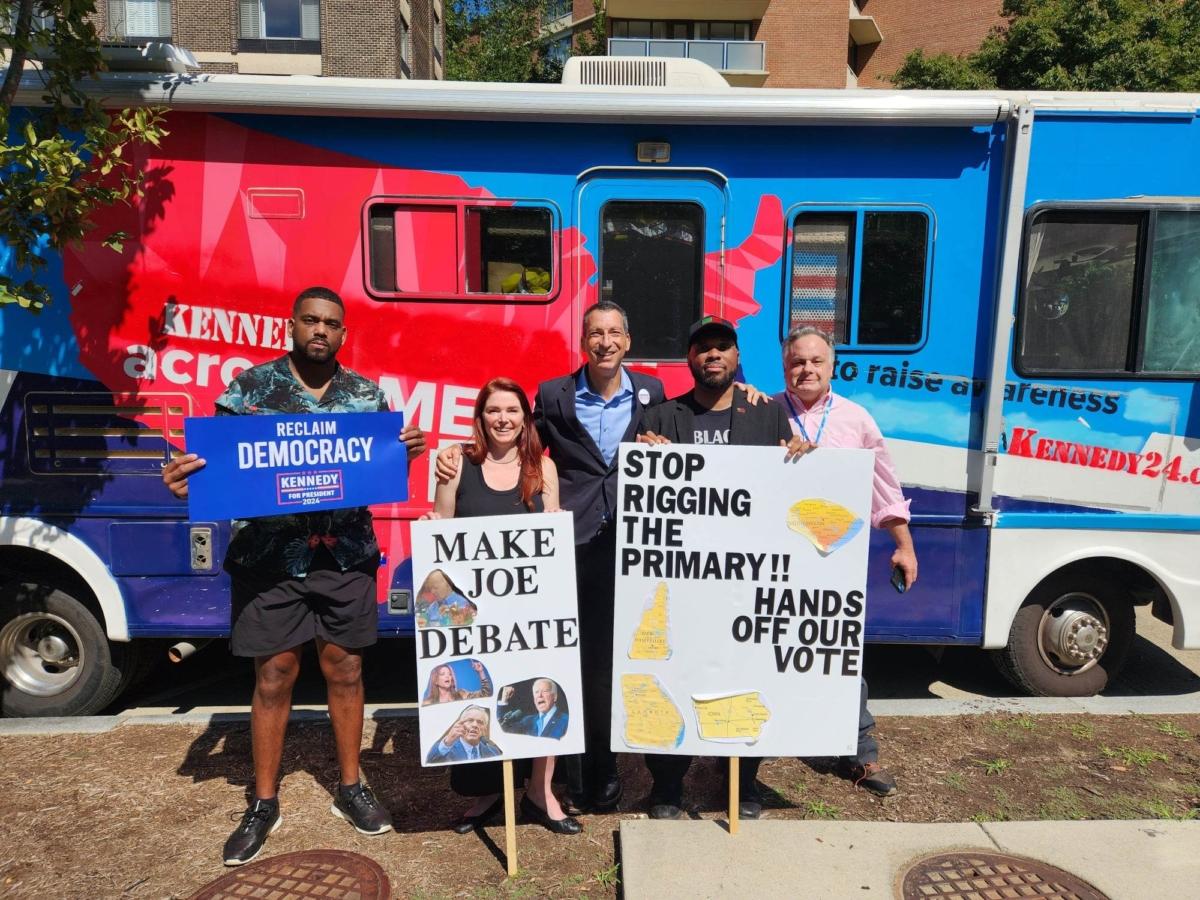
(213, 679)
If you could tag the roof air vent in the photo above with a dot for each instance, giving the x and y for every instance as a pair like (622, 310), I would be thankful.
(632, 71)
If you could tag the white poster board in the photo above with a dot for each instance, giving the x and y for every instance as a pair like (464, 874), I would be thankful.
(497, 638)
(739, 605)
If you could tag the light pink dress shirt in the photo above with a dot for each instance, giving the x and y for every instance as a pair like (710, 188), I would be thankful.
(851, 426)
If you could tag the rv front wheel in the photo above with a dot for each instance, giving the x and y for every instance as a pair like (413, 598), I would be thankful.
(54, 654)
(1069, 638)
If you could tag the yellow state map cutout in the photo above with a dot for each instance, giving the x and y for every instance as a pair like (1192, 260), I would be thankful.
(652, 720)
(652, 640)
(827, 524)
(734, 718)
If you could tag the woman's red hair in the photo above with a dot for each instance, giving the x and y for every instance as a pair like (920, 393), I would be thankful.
(529, 446)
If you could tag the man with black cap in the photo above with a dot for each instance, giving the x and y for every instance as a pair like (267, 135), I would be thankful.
(714, 411)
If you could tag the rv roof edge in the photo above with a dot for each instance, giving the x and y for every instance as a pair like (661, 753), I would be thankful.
(537, 102)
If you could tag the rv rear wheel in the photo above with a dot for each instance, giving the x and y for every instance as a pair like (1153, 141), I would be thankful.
(1069, 638)
(54, 655)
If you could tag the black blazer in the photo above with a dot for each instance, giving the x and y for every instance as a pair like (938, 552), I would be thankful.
(764, 425)
(584, 481)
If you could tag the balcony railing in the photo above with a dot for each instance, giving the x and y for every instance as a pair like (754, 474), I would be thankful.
(724, 56)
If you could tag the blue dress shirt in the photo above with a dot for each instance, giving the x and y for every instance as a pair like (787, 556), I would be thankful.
(604, 420)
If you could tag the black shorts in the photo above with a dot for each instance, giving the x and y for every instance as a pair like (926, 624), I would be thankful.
(273, 614)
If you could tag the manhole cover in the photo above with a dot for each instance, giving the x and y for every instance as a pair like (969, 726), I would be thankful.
(979, 875)
(327, 874)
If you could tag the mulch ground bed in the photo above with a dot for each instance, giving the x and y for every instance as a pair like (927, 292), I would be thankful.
(143, 811)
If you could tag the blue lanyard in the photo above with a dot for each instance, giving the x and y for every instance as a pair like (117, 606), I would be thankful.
(800, 424)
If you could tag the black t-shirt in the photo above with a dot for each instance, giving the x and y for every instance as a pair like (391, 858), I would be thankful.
(712, 426)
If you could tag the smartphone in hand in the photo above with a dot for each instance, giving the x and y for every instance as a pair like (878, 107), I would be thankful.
(898, 580)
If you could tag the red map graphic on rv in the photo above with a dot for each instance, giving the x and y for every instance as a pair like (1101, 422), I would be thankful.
(235, 222)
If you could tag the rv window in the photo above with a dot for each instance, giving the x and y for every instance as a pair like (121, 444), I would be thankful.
(1081, 275)
(1173, 313)
(454, 248)
(822, 262)
(508, 250)
(891, 294)
(652, 263)
(887, 251)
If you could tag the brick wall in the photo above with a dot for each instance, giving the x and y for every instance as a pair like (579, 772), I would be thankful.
(422, 38)
(936, 26)
(205, 26)
(806, 43)
(359, 39)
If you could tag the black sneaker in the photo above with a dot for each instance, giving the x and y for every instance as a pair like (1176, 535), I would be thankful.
(247, 840)
(665, 808)
(358, 806)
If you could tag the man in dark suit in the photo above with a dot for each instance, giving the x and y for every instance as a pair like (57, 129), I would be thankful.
(582, 418)
(714, 411)
(467, 739)
(547, 720)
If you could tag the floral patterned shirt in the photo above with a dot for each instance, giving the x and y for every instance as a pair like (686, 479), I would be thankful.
(286, 544)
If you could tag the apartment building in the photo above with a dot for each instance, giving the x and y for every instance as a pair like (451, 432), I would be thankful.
(787, 43)
(363, 38)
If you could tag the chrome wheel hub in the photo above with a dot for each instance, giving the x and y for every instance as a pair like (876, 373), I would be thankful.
(40, 653)
(1074, 633)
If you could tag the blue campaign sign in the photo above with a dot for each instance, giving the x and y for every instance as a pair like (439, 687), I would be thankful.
(271, 465)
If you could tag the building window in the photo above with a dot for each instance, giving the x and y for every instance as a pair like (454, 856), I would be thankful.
(652, 263)
(296, 20)
(1111, 292)
(444, 249)
(559, 50)
(437, 36)
(405, 47)
(860, 275)
(559, 9)
(664, 29)
(139, 19)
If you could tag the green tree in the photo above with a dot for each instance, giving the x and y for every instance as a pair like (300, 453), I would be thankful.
(65, 158)
(594, 41)
(1074, 45)
(494, 40)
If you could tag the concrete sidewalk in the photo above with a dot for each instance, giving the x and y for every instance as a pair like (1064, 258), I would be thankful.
(1127, 860)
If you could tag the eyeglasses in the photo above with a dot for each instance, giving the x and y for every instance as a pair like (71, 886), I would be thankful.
(613, 334)
(314, 321)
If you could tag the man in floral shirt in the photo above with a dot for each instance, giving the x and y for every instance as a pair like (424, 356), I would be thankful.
(309, 576)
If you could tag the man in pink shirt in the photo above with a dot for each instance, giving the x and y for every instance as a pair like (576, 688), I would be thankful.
(825, 420)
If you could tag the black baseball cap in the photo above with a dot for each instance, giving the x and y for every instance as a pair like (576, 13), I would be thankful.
(712, 325)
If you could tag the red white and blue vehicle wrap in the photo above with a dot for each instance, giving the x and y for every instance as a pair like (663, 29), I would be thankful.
(1013, 279)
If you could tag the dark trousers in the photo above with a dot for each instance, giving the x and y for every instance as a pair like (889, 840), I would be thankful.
(668, 773)
(595, 563)
(868, 747)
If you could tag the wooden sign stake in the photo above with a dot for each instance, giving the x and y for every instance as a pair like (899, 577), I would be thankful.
(510, 820)
(733, 794)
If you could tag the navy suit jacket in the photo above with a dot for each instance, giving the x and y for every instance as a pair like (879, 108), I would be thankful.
(584, 479)
(458, 751)
(555, 728)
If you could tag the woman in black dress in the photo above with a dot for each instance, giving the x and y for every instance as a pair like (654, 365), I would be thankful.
(504, 472)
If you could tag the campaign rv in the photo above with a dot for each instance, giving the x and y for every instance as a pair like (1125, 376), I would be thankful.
(1013, 280)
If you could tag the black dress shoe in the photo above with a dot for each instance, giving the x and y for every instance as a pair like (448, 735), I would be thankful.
(467, 824)
(664, 809)
(608, 796)
(576, 806)
(533, 813)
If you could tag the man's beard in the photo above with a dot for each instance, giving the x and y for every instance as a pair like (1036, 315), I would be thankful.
(711, 379)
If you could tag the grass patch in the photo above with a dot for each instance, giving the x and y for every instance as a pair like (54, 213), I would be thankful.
(955, 780)
(1061, 803)
(1161, 809)
(819, 809)
(1170, 729)
(608, 878)
(1083, 730)
(993, 766)
(1131, 756)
